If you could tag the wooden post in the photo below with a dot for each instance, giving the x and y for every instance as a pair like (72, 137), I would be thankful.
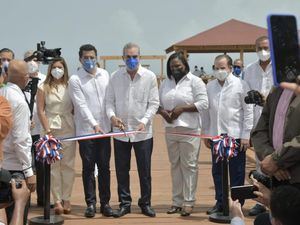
(242, 55)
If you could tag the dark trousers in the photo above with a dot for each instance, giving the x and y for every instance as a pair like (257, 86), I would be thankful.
(97, 152)
(143, 152)
(237, 166)
(38, 167)
(18, 176)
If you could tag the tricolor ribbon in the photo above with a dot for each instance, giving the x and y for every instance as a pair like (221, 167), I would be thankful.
(224, 147)
(48, 149)
(97, 136)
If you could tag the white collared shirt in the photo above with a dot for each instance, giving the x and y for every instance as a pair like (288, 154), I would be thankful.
(227, 112)
(133, 101)
(261, 81)
(87, 92)
(17, 144)
(189, 90)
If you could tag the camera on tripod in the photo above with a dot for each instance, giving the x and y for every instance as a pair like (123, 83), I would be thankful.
(254, 97)
(44, 55)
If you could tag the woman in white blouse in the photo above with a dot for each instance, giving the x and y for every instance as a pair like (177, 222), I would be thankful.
(182, 97)
(55, 113)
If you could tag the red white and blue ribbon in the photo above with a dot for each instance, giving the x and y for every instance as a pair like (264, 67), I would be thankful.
(224, 147)
(97, 136)
(48, 149)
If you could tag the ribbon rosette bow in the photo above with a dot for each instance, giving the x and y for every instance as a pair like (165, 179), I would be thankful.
(48, 149)
(224, 147)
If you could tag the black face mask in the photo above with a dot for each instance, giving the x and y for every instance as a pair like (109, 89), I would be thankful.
(178, 74)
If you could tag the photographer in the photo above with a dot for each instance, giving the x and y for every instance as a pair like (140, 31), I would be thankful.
(284, 203)
(36, 128)
(258, 75)
(20, 196)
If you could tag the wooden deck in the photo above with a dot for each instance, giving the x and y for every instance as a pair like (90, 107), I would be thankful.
(161, 194)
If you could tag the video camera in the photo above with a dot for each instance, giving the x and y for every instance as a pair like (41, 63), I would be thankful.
(44, 55)
(5, 185)
(254, 97)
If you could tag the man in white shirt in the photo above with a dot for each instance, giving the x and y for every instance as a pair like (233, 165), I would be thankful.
(259, 77)
(17, 145)
(36, 127)
(131, 103)
(228, 113)
(87, 90)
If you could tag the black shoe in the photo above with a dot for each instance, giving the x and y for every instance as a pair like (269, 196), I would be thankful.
(121, 212)
(90, 211)
(187, 210)
(256, 210)
(106, 210)
(174, 209)
(215, 209)
(148, 211)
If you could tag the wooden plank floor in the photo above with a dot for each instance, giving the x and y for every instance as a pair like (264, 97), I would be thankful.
(161, 194)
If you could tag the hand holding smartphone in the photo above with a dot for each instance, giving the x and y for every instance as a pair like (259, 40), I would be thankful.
(284, 46)
(243, 192)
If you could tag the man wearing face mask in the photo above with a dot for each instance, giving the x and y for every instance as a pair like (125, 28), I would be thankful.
(36, 128)
(259, 77)
(6, 55)
(131, 103)
(238, 67)
(87, 90)
(227, 113)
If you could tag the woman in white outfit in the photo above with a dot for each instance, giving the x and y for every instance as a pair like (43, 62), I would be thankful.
(55, 113)
(182, 96)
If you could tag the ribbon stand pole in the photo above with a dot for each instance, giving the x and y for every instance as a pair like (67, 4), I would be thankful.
(223, 217)
(47, 218)
(224, 148)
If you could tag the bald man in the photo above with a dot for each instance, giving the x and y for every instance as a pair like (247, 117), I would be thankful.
(17, 145)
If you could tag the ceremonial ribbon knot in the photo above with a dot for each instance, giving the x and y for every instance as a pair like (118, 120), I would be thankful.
(48, 149)
(224, 147)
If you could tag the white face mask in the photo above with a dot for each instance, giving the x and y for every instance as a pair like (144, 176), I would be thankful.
(263, 55)
(33, 67)
(221, 74)
(57, 73)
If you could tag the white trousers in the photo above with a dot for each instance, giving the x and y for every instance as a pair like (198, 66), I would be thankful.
(63, 172)
(183, 154)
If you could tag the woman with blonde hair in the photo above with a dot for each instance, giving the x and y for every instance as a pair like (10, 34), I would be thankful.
(55, 113)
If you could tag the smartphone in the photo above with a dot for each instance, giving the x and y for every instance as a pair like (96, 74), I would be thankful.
(284, 47)
(243, 192)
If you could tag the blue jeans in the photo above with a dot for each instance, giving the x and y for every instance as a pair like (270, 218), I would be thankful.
(143, 152)
(237, 171)
(97, 152)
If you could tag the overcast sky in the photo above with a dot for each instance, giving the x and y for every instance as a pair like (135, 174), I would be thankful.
(153, 24)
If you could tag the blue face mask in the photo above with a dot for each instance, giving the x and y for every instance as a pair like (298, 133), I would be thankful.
(89, 64)
(237, 71)
(132, 63)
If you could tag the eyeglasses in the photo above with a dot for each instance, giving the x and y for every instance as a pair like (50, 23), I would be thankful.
(131, 56)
